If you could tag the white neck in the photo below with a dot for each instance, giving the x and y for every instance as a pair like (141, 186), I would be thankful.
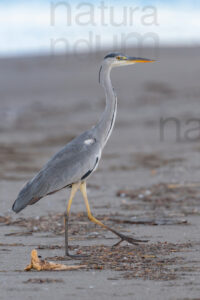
(105, 126)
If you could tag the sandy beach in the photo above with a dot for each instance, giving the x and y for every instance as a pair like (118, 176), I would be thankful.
(147, 184)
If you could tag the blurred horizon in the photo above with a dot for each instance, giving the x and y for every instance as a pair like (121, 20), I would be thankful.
(32, 27)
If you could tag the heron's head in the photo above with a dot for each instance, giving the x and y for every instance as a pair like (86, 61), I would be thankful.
(119, 59)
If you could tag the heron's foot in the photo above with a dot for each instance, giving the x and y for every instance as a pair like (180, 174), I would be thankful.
(75, 256)
(129, 239)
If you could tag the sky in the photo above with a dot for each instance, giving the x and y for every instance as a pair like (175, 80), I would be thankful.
(35, 27)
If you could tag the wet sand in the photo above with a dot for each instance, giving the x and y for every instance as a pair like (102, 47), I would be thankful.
(147, 184)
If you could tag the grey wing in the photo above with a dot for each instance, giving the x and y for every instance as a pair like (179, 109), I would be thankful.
(71, 164)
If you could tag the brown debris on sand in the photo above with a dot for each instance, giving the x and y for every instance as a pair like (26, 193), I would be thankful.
(43, 280)
(156, 261)
(44, 265)
(164, 200)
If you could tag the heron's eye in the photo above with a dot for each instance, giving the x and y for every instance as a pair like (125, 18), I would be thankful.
(121, 57)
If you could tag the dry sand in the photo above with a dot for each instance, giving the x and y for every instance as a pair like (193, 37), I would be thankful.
(46, 101)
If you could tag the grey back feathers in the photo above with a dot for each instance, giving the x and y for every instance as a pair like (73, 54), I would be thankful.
(69, 165)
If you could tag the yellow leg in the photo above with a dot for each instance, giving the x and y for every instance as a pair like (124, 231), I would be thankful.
(90, 216)
(74, 189)
(93, 219)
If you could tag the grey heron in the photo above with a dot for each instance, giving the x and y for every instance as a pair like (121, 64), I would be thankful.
(77, 160)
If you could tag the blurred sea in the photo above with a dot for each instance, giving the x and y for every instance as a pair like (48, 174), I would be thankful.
(36, 27)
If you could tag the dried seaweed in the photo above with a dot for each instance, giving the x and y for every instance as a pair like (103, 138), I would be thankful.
(149, 221)
(176, 198)
(148, 261)
(43, 280)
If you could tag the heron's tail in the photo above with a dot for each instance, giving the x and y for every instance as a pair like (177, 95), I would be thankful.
(24, 198)
(17, 207)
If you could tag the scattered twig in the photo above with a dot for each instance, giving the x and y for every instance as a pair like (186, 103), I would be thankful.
(185, 185)
(150, 221)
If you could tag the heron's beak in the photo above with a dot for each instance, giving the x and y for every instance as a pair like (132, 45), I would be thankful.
(138, 60)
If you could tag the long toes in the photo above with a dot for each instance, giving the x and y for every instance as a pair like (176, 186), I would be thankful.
(76, 256)
(117, 244)
(129, 240)
(132, 240)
